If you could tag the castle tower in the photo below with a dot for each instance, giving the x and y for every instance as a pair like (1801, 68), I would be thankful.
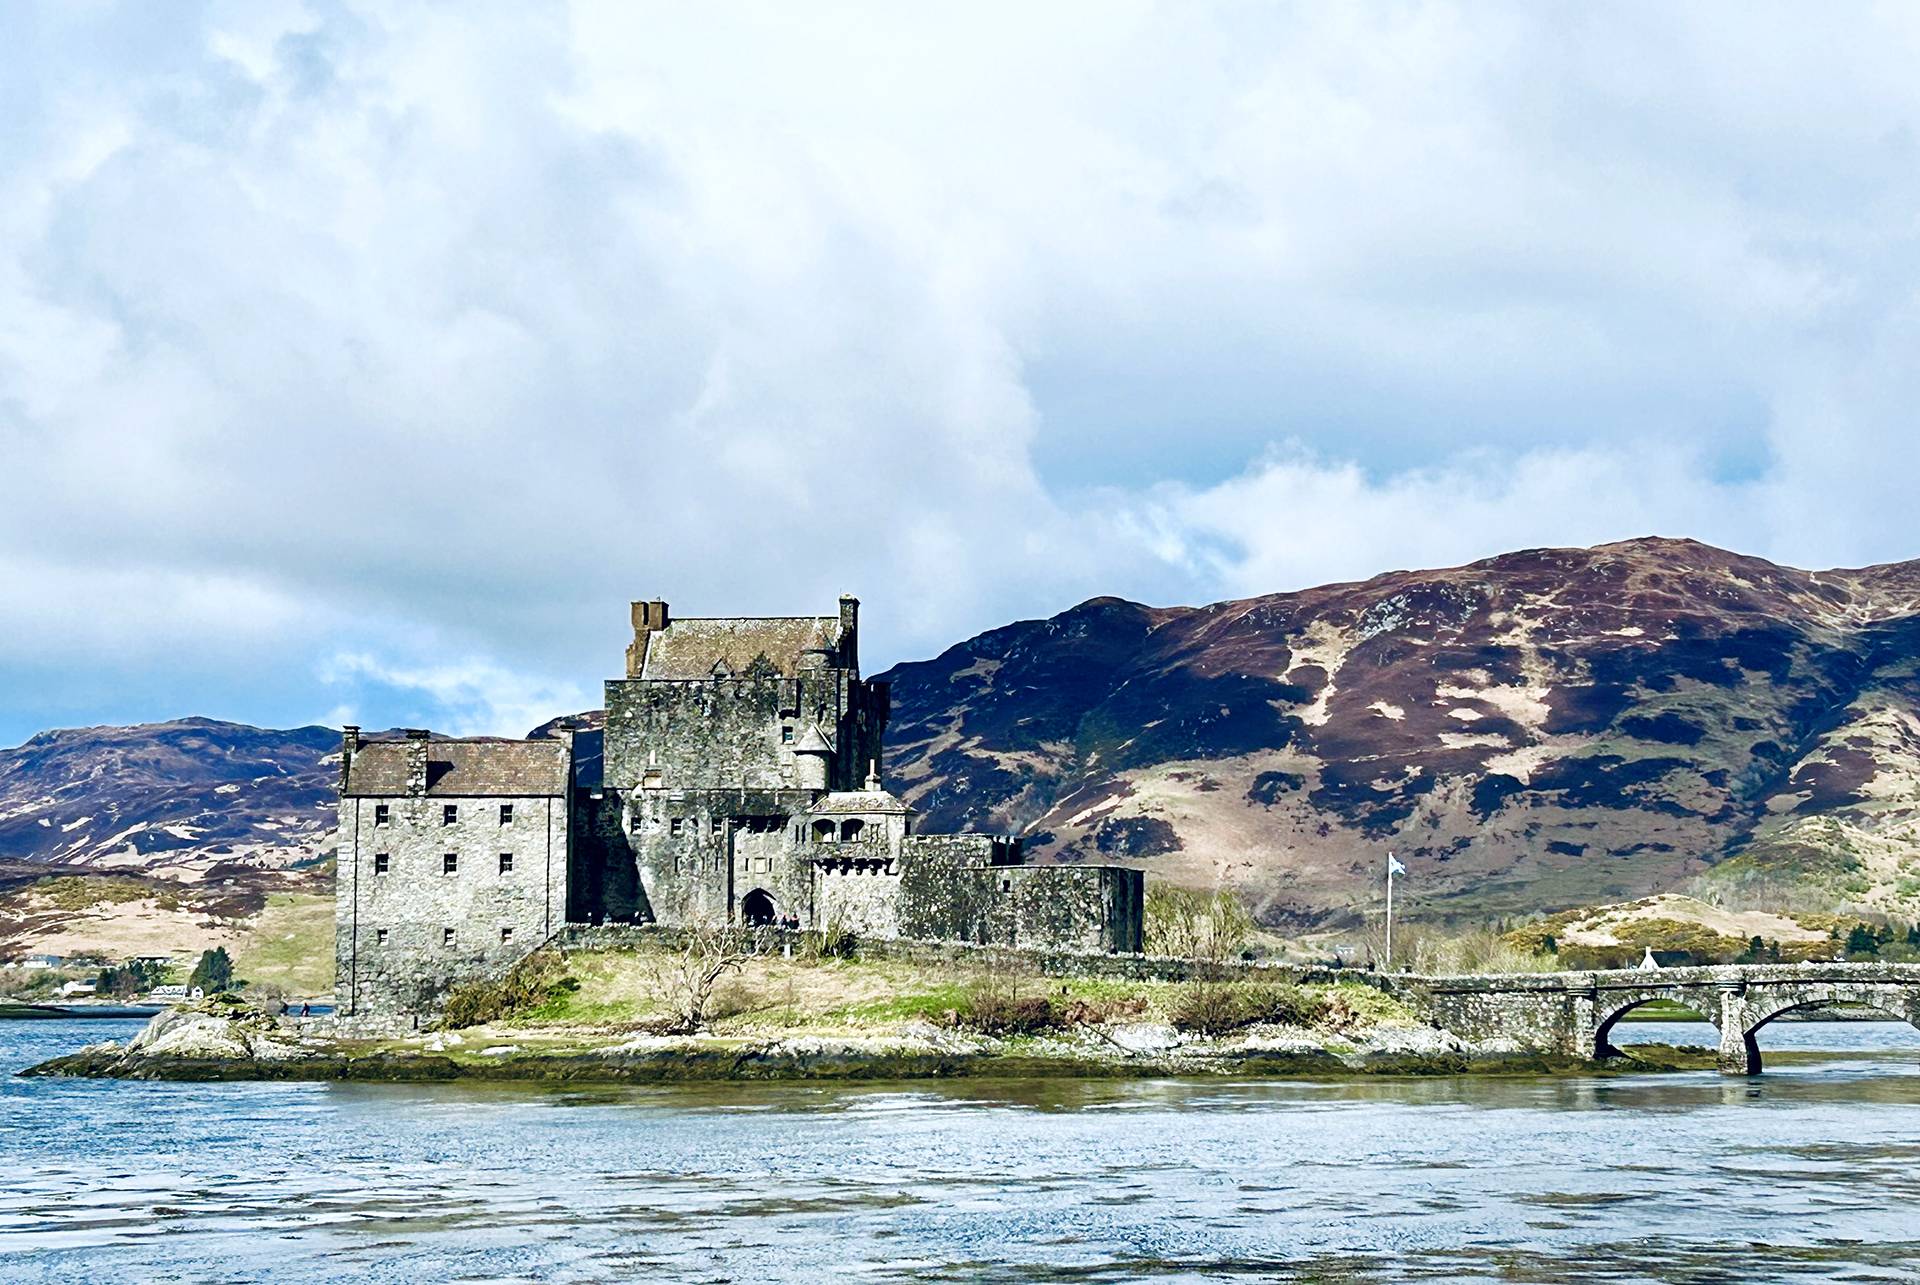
(812, 760)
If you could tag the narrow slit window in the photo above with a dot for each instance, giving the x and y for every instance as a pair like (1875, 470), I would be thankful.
(506, 934)
(506, 863)
(673, 826)
(446, 936)
(449, 814)
(379, 936)
(382, 814)
(382, 862)
(450, 863)
(506, 814)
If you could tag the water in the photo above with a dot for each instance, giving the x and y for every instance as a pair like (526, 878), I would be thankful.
(1810, 1173)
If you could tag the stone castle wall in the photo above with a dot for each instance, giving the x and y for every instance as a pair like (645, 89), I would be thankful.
(415, 901)
(968, 888)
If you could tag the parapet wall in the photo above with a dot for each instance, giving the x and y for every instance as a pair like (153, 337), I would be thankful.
(1048, 963)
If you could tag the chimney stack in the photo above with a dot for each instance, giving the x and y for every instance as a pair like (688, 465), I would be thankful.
(349, 746)
(850, 631)
(647, 617)
(416, 761)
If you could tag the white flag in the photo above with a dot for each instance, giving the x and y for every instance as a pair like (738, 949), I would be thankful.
(1393, 865)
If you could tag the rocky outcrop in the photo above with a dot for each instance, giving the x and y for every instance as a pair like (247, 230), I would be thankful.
(203, 1046)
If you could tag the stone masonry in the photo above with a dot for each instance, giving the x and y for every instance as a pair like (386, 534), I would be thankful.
(1574, 1014)
(738, 783)
(452, 863)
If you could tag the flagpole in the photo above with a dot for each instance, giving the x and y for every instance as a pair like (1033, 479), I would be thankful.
(1389, 912)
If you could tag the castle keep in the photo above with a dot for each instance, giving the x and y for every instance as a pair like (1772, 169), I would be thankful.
(737, 781)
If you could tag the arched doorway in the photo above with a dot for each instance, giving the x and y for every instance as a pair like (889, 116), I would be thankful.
(757, 908)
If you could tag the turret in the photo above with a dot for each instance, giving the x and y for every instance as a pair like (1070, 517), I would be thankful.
(812, 760)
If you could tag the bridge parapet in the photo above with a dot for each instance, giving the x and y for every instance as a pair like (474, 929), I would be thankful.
(1574, 1013)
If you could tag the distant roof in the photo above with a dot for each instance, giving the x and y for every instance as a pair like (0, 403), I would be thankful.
(693, 648)
(874, 798)
(464, 768)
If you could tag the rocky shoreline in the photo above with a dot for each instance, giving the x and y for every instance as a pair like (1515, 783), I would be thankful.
(202, 1046)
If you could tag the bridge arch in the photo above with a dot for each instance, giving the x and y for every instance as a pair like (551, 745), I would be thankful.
(1610, 1008)
(1766, 1004)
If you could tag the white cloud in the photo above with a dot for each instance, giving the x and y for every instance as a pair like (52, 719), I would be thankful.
(472, 697)
(407, 335)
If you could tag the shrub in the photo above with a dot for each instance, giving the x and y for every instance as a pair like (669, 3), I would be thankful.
(1213, 1008)
(835, 941)
(1190, 924)
(1005, 1015)
(530, 983)
(1005, 1001)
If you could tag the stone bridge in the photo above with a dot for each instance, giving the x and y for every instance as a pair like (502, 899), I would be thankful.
(1574, 1013)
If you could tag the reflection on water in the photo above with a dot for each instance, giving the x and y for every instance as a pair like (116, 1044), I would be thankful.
(1808, 1173)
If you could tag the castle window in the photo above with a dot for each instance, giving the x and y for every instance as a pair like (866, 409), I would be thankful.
(506, 935)
(382, 814)
(719, 824)
(450, 863)
(381, 862)
(673, 826)
(786, 735)
(823, 832)
(506, 863)
(446, 936)
(506, 814)
(850, 830)
(449, 814)
(1006, 885)
(379, 936)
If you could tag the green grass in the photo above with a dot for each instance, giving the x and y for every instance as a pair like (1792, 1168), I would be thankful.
(1662, 1010)
(617, 989)
(289, 944)
(924, 1005)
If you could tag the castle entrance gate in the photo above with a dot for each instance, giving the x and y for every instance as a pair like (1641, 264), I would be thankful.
(757, 908)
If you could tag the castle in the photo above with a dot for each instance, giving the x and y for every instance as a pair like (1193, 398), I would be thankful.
(737, 780)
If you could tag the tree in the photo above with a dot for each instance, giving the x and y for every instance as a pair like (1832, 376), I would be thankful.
(214, 972)
(1861, 940)
(1187, 923)
(686, 977)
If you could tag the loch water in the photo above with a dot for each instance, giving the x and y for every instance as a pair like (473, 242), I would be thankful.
(1808, 1173)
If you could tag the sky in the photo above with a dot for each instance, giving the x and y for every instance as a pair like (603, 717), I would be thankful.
(361, 363)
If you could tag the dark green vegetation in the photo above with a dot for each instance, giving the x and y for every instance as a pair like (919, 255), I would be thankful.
(214, 972)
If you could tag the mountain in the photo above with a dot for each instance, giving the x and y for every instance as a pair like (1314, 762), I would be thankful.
(1538, 731)
(183, 796)
(1544, 729)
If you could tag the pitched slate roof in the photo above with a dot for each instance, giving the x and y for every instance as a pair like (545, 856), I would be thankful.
(692, 648)
(465, 769)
